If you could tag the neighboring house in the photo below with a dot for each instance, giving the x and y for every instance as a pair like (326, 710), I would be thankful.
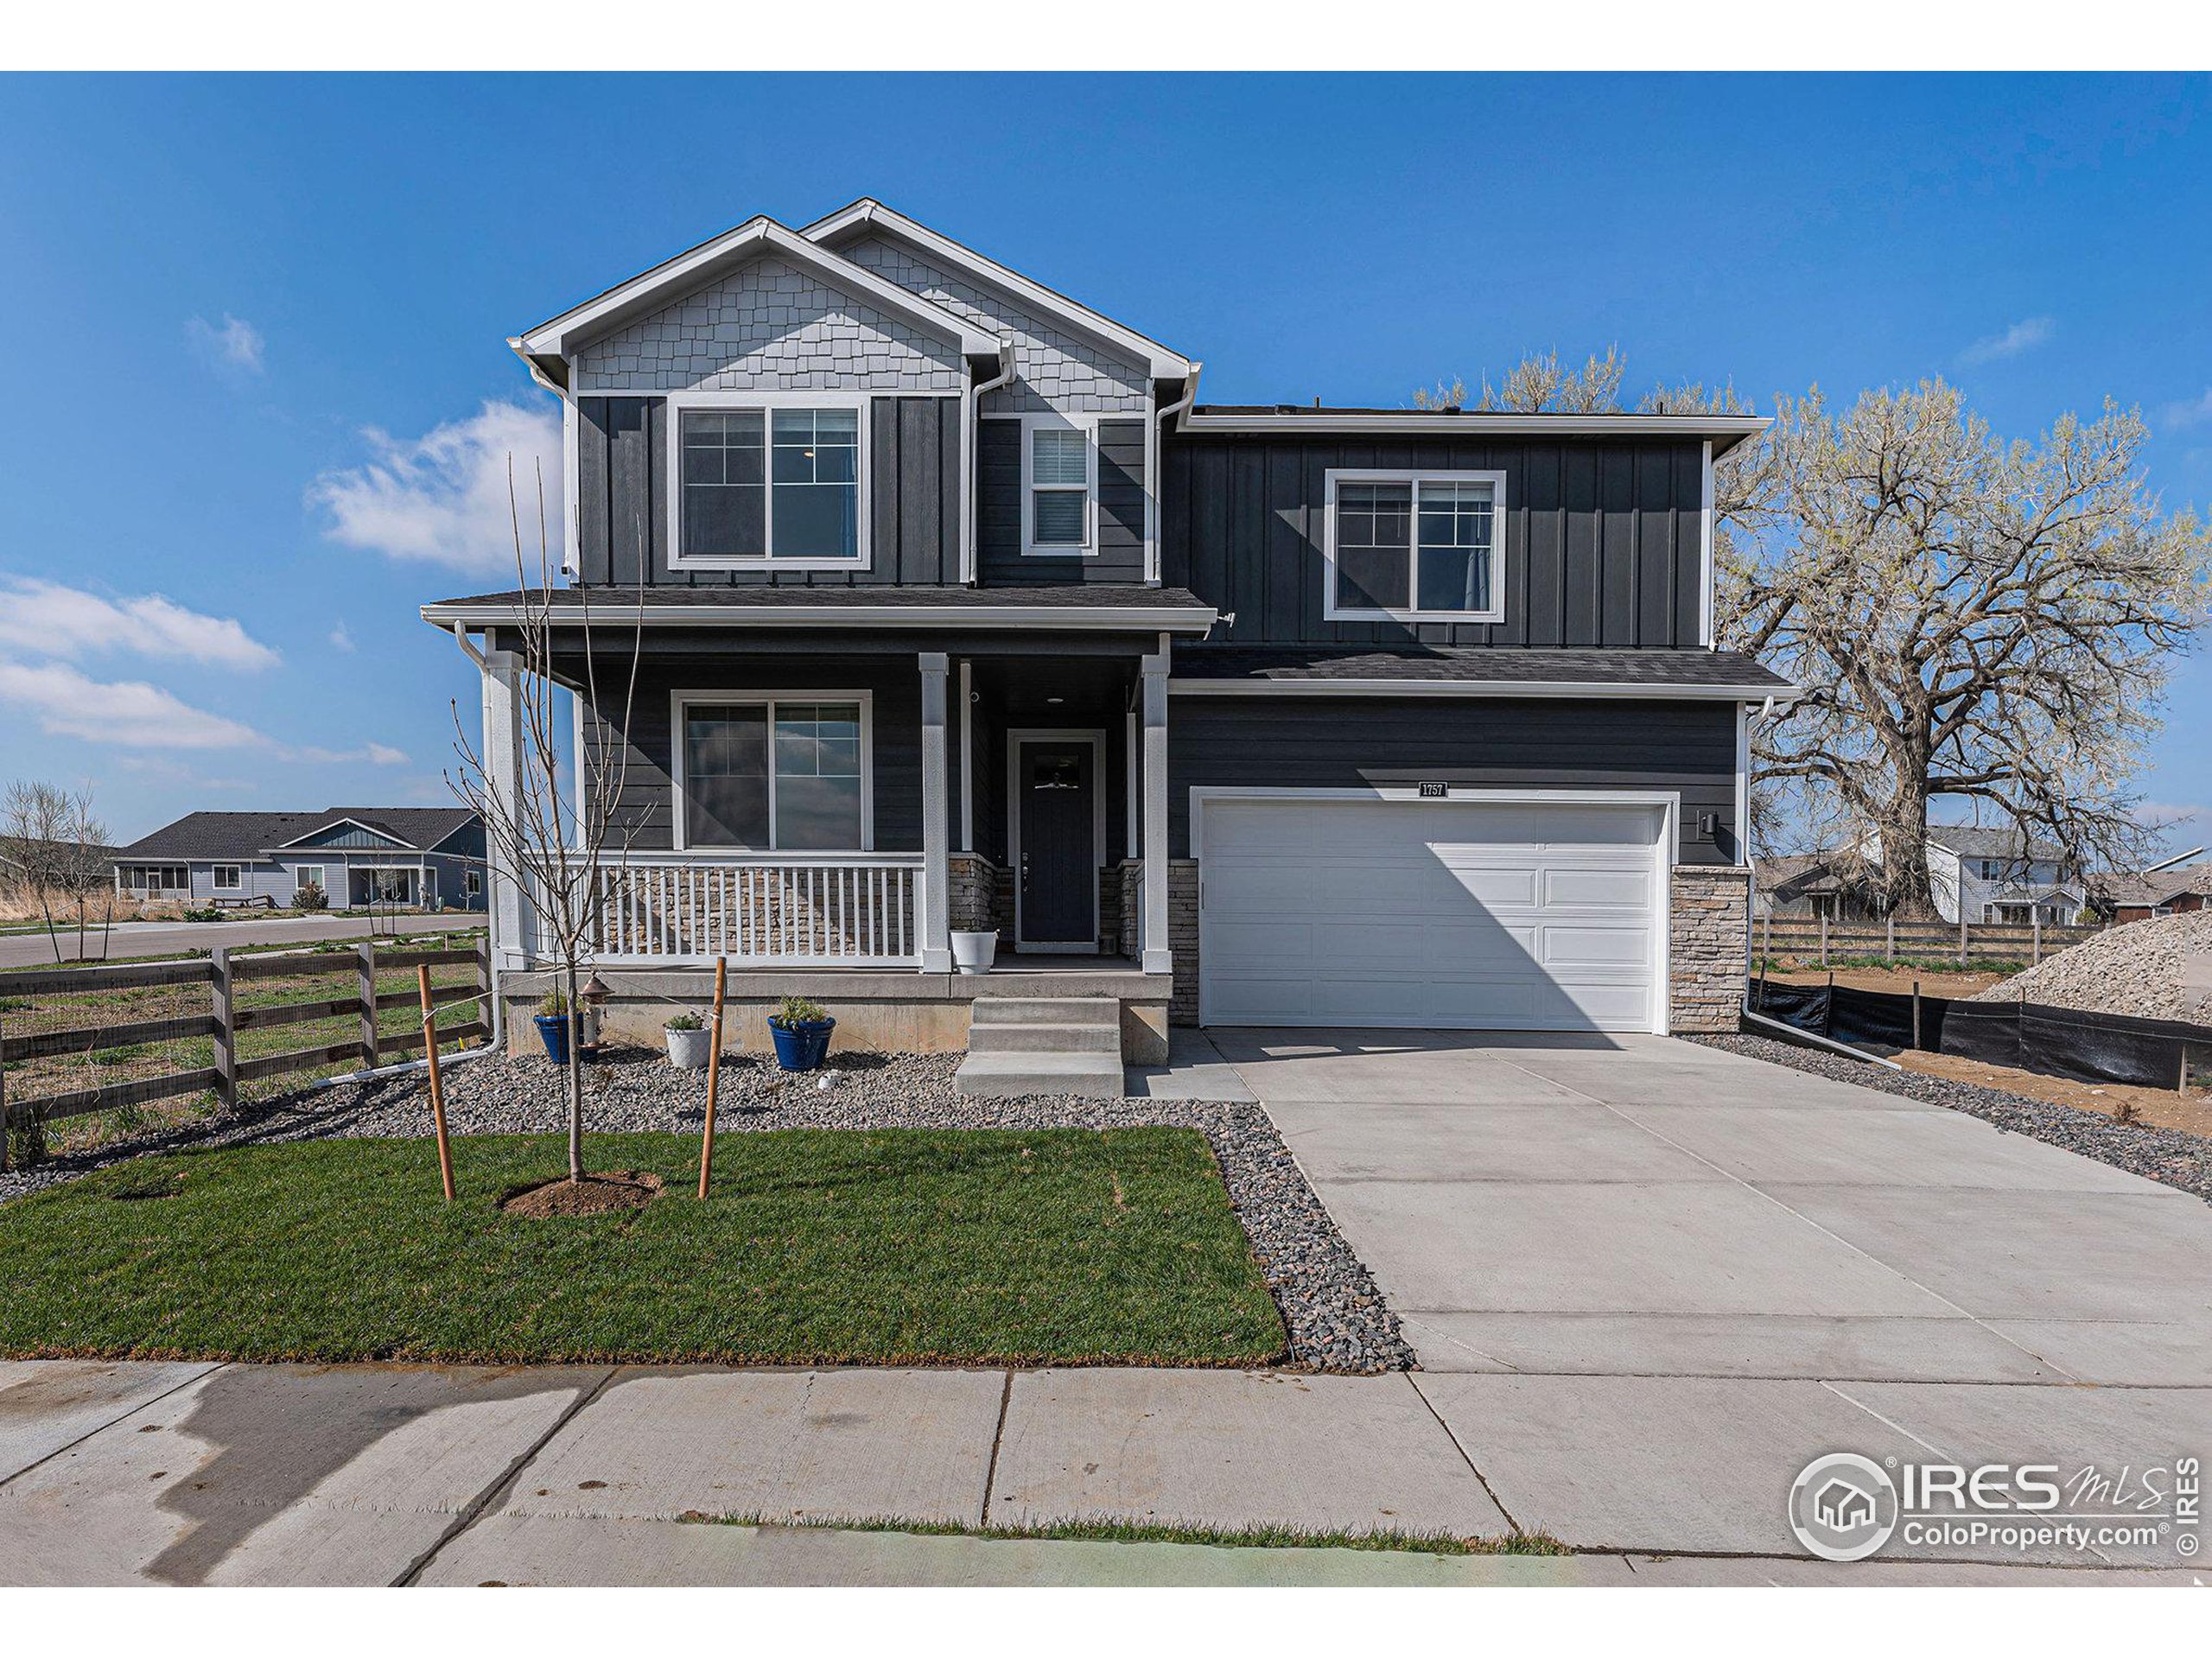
(959, 612)
(406, 855)
(2003, 876)
(1809, 886)
(2162, 892)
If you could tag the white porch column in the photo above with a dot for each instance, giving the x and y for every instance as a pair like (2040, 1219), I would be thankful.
(937, 858)
(1157, 958)
(508, 909)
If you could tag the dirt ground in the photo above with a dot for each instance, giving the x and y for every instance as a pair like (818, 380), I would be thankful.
(2162, 1107)
(1896, 981)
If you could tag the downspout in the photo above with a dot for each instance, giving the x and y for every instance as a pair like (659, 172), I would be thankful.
(971, 431)
(1743, 835)
(1155, 522)
(499, 1016)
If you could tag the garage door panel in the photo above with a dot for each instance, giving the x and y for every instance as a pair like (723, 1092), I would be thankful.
(1466, 914)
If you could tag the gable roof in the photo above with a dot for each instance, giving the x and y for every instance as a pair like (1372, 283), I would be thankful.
(2158, 888)
(547, 347)
(1160, 361)
(1980, 841)
(248, 836)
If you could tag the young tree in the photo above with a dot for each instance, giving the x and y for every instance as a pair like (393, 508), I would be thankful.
(1972, 620)
(58, 848)
(555, 840)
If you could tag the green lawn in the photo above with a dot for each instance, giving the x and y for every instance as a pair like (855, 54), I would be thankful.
(815, 1246)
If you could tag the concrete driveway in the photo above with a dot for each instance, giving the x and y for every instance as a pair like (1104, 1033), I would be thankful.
(1648, 1280)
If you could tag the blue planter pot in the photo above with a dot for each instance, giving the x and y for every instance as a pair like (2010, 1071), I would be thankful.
(800, 1047)
(553, 1031)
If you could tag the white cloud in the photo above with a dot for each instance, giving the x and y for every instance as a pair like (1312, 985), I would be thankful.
(235, 342)
(2023, 336)
(444, 497)
(342, 638)
(129, 713)
(55, 620)
(2193, 412)
(374, 754)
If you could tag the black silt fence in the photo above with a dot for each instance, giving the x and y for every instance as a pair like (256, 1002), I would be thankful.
(2028, 1036)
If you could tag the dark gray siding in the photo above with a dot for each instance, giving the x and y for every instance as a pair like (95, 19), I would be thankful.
(1602, 539)
(1314, 742)
(647, 811)
(913, 505)
(1120, 558)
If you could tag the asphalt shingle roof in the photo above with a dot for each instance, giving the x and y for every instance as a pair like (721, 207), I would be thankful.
(1543, 665)
(248, 834)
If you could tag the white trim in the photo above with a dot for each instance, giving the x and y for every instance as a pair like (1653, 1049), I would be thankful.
(572, 505)
(319, 880)
(1184, 618)
(966, 758)
(1669, 802)
(1590, 689)
(1705, 612)
(1015, 737)
(215, 882)
(561, 336)
(862, 405)
(678, 701)
(866, 211)
(1414, 479)
(1727, 429)
(1032, 424)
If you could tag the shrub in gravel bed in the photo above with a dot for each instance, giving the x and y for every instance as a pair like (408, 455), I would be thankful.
(2170, 1156)
(1335, 1316)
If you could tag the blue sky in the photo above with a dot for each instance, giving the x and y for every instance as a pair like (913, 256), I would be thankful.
(241, 307)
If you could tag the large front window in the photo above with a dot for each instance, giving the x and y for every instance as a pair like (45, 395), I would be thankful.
(1416, 546)
(783, 774)
(769, 484)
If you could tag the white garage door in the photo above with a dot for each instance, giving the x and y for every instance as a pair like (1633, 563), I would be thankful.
(1467, 914)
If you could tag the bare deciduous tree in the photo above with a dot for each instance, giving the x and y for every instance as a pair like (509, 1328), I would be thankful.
(56, 847)
(1972, 620)
(1539, 386)
(553, 840)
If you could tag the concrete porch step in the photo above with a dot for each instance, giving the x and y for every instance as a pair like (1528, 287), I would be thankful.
(1009, 1076)
(1049, 1011)
(992, 1037)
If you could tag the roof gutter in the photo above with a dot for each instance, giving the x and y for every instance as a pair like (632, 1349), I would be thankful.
(1515, 689)
(1174, 618)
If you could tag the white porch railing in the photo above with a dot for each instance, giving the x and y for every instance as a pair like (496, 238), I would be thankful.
(855, 910)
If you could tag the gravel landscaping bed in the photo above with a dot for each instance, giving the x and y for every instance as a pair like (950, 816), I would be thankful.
(1335, 1315)
(2170, 1156)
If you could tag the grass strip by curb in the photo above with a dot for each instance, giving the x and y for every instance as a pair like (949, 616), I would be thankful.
(1103, 1531)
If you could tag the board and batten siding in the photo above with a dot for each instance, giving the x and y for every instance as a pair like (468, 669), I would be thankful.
(1602, 539)
(622, 486)
(1119, 517)
(1317, 742)
(645, 818)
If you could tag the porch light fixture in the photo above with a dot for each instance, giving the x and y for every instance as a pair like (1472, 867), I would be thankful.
(1056, 699)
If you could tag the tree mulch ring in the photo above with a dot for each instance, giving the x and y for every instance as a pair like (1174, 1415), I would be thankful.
(594, 1195)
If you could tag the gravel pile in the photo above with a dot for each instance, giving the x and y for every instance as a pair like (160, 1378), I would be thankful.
(1336, 1317)
(2140, 969)
(2172, 1156)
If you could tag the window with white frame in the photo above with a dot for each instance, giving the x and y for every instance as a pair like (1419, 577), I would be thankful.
(1059, 468)
(228, 878)
(775, 773)
(472, 883)
(768, 485)
(308, 875)
(1414, 546)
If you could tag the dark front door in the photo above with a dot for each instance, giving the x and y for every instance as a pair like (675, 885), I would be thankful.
(1059, 850)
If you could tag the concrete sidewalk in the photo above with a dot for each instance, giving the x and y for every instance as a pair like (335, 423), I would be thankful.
(116, 1473)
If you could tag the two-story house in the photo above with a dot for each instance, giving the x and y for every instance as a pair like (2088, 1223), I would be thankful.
(961, 612)
(1999, 876)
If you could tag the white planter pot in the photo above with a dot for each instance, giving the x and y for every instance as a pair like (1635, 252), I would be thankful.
(688, 1050)
(973, 953)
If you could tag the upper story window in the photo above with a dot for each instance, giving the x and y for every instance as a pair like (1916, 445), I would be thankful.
(1413, 547)
(1058, 476)
(762, 484)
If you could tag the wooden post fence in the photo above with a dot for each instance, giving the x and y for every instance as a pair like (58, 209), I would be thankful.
(1962, 929)
(2035, 919)
(1824, 941)
(364, 958)
(1890, 939)
(224, 1008)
